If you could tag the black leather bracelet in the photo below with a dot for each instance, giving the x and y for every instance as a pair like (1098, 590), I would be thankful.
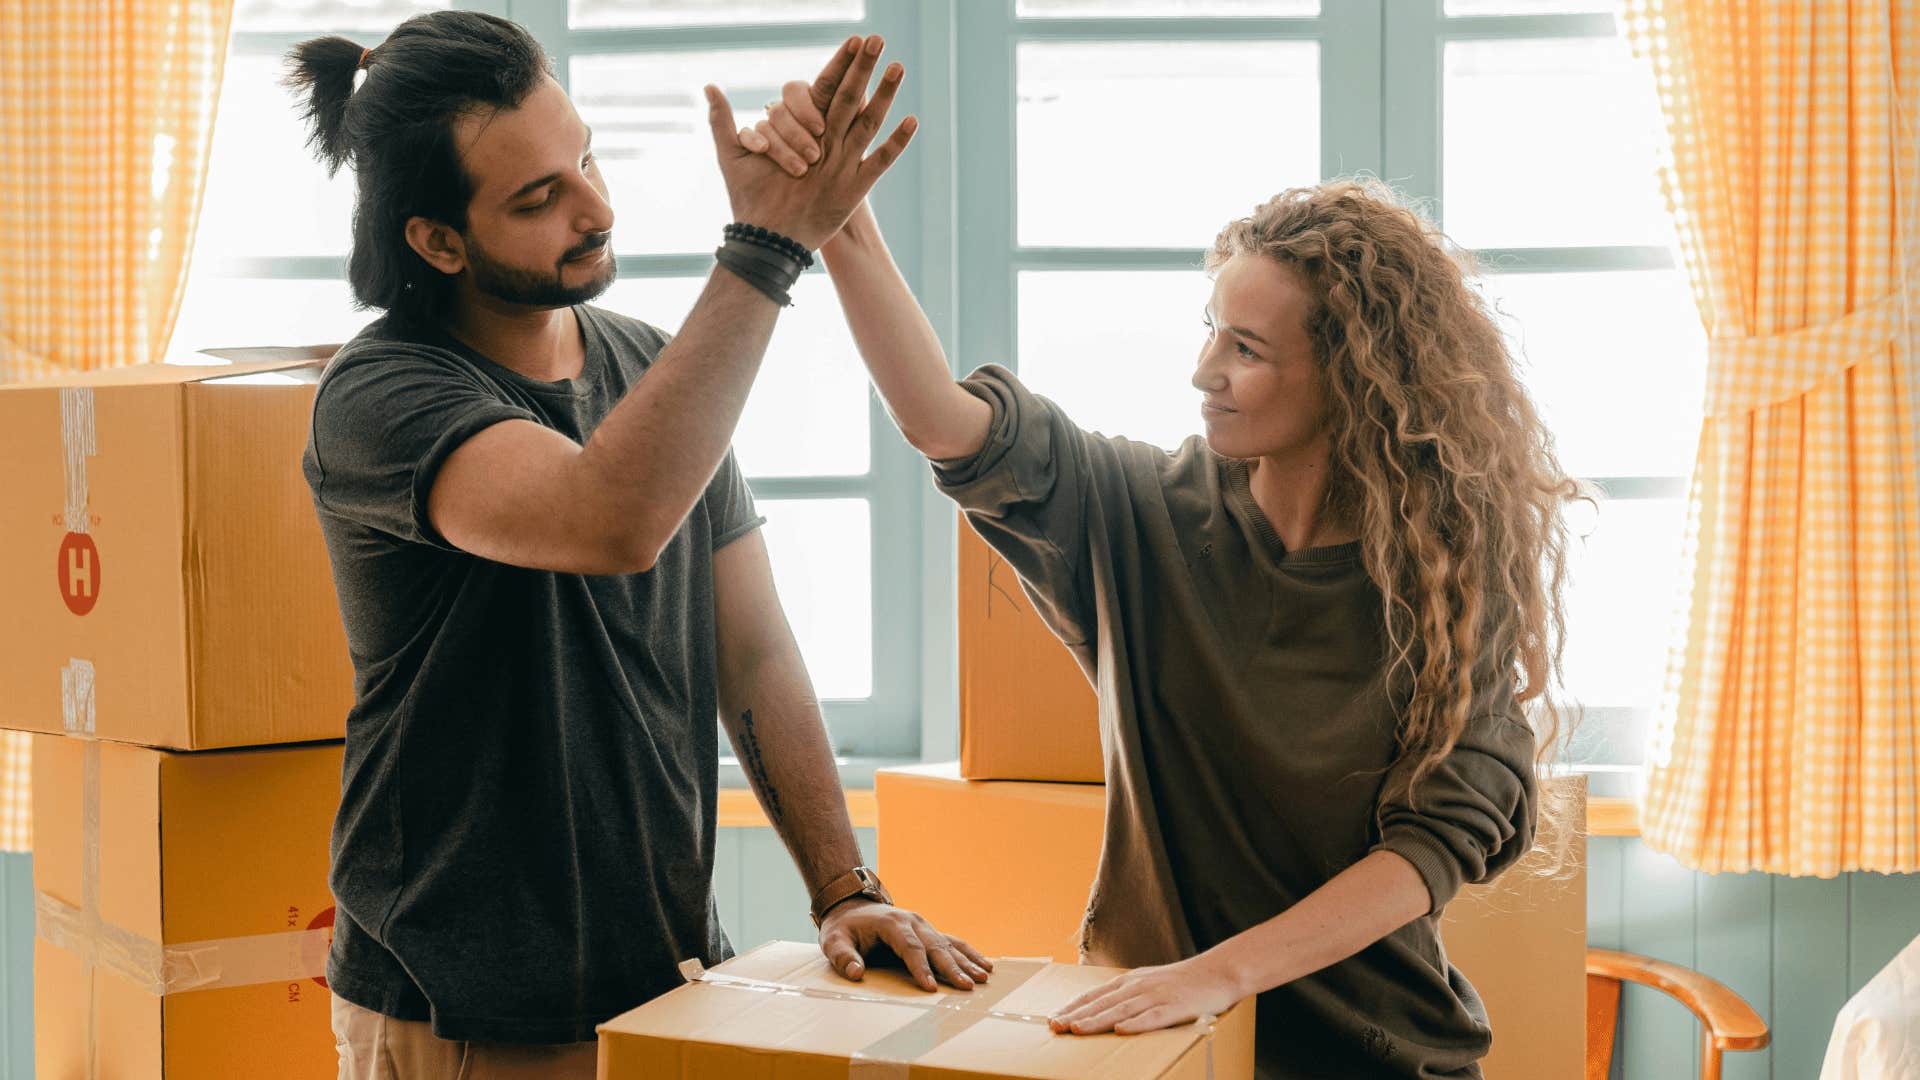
(747, 273)
(779, 264)
(756, 274)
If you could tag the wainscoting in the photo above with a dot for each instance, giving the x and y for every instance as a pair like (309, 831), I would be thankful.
(1796, 948)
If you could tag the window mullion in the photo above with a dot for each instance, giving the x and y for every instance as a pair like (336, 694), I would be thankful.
(546, 20)
(1411, 97)
(1352, 114)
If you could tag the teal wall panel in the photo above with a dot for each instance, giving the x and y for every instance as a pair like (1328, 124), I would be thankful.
(726, 879)
(16, 965)
(1795, 948)
(1883, 917)
(1657, 920)
(773, 899)
(1606, 884)
(1734, 944)
(1810, 960)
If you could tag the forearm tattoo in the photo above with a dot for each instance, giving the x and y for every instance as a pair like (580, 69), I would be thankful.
(756, 766)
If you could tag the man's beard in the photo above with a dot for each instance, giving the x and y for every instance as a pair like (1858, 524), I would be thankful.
(531, 288)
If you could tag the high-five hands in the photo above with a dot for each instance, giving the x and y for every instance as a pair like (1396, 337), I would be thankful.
(810, 203)
(791, 135)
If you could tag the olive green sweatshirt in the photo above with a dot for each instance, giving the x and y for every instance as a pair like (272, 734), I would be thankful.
(1250, 737)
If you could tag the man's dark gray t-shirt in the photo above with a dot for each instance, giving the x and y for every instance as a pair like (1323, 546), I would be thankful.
(525, 840)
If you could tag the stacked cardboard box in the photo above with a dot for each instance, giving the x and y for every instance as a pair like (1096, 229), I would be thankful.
(1027, 712)
(1021, 816)
(170, 603)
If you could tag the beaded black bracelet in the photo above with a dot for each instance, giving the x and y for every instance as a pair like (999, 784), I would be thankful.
(765, 237)
(756, 234)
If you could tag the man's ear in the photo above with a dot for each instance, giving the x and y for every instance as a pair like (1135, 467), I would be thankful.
(441, 246)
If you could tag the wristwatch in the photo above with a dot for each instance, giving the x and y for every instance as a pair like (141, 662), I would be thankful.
(859, 881)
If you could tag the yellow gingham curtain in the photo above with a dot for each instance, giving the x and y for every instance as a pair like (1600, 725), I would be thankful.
(106, 110)
(1788, 741)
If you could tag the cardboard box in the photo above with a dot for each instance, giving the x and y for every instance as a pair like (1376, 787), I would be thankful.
(779, 1011)
(157, 538)
(1027, 711)
(199, 949)
(956, 850)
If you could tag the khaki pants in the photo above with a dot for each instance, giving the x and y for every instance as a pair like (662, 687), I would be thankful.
(376, 1047)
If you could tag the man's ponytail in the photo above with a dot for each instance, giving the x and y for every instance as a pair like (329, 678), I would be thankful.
(321, 71)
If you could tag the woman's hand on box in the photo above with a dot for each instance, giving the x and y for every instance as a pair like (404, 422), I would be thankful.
(1151, 998)
(854, 931)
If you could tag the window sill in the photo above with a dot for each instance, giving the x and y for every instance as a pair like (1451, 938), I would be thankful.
(740, 810)
(1606, 815)
(1612, 815)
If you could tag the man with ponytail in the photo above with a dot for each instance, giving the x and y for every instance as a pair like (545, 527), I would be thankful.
(549, 566)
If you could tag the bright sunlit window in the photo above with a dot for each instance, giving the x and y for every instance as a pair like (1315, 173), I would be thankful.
(1075, 159)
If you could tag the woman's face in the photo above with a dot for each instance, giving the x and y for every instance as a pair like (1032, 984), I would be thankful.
(1261, 389)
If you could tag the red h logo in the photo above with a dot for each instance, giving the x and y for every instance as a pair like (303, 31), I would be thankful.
(79, 572)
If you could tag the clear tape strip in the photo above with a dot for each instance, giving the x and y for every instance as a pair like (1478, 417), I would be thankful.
(76, 697)
(159, 969)
(891, 1056)
(79, 442)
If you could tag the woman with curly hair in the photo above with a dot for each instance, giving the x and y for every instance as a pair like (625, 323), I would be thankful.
(1321, 635)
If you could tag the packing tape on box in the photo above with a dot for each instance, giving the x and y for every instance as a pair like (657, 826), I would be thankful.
(891, 1056)
(78, 442)
(158, 969)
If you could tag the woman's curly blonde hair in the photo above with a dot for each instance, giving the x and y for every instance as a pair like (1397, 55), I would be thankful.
(1439, 460)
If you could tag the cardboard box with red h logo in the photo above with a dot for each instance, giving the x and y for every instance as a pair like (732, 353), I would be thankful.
(158, 540)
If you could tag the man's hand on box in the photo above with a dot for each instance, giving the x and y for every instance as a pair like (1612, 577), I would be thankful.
(857, 930)
(1151, 998)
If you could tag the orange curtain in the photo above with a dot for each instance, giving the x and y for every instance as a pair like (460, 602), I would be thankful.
(1788, 741)
(106, 112)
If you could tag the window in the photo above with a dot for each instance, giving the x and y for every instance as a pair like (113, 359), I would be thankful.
(1525, 123)
(1547, 144)
(1038, 191)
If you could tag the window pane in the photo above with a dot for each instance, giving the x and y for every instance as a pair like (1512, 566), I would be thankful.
(225, 312)
(807, 412)
(1550, 142)
(650, 133)
(266, 194)
(605, 13)
(1623, 603)
(1078, 9)
(821, 552)
(1529, 7)
(380, 15)
(1605, 352)
(1116, 350)
(1127, 112)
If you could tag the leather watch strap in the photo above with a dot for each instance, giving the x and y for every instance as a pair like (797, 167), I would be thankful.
(859, 881)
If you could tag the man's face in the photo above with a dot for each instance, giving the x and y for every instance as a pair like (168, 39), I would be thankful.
(539, 228)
